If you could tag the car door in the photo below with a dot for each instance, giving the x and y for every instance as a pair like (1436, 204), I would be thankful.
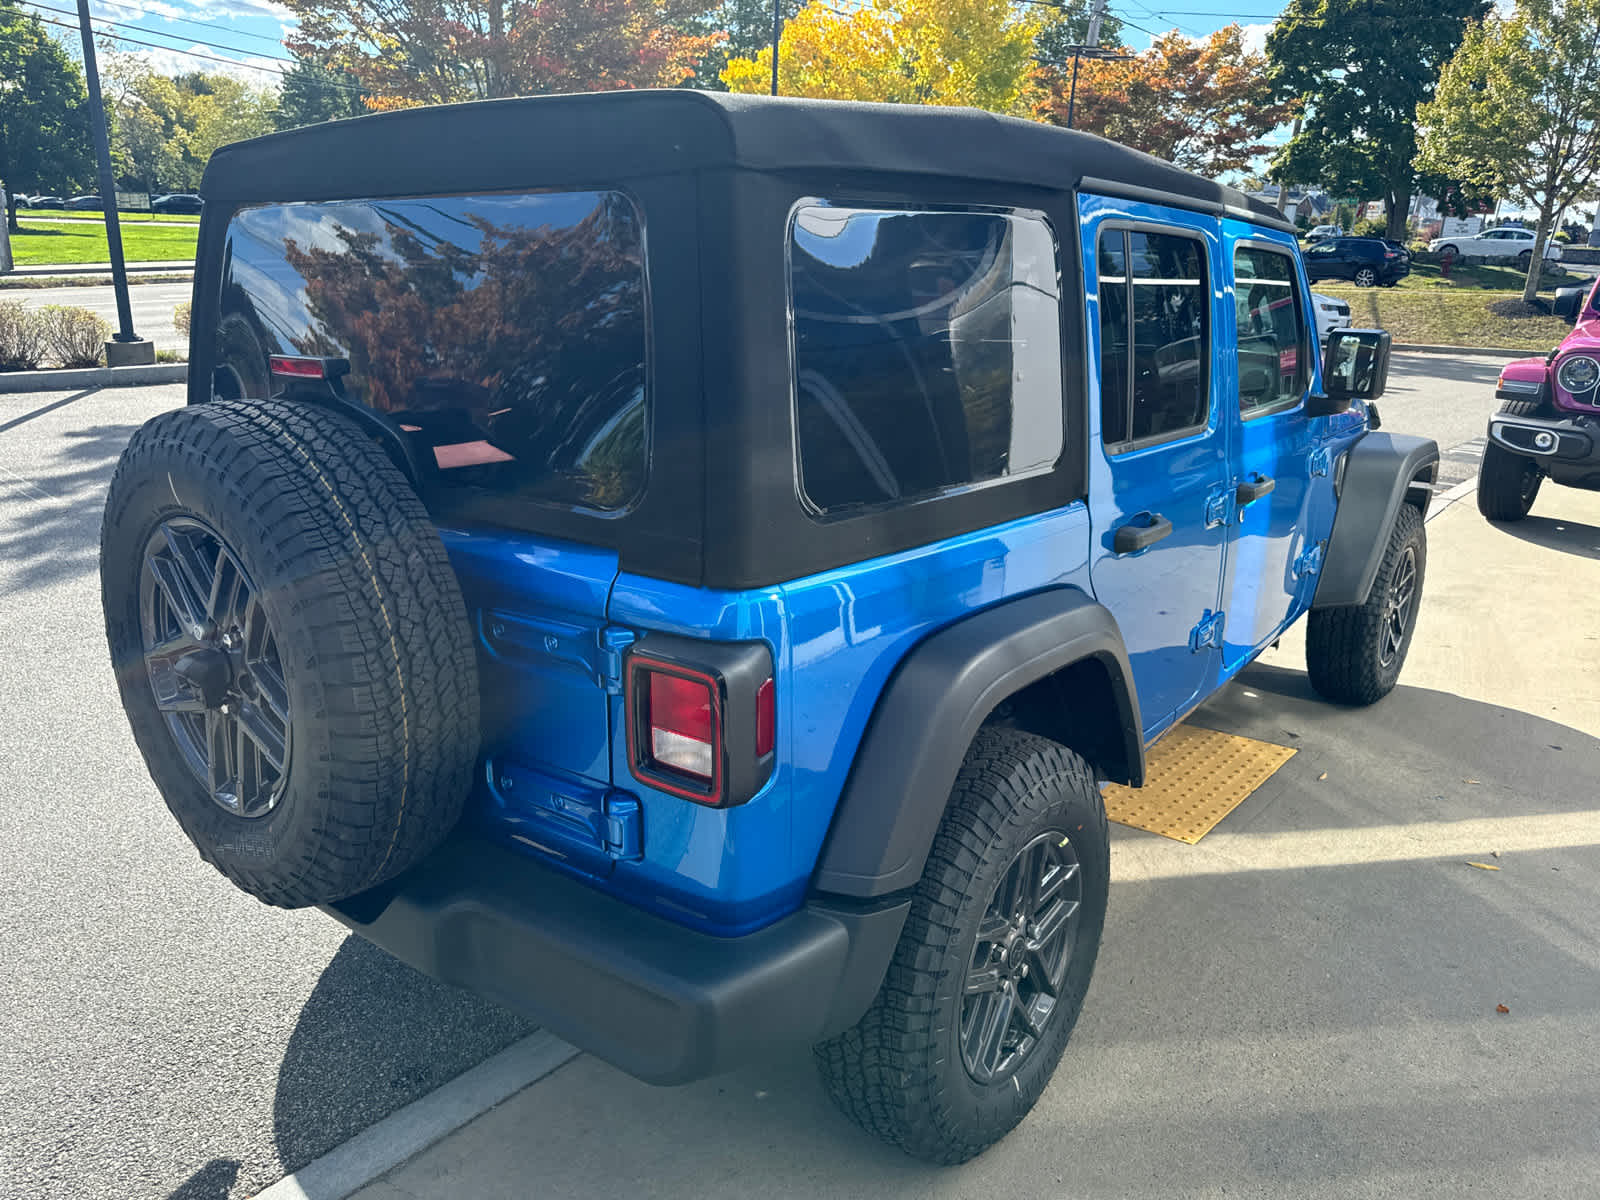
(1159, 469)
(1278, 458)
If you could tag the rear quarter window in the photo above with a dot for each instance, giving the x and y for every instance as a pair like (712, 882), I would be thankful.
(505, 335)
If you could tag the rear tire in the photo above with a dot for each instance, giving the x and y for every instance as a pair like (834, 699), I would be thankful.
(291, 647)
(1365, 277)
(1508, 484)
(1354, 654)
(939, 1070)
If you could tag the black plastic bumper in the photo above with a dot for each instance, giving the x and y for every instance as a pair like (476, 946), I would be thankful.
(1571, 441)
(664, 1003)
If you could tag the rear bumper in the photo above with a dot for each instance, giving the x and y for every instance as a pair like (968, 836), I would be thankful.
(664, 1003)
(1571, 441)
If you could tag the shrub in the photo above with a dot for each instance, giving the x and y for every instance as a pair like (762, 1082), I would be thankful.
(1371, 227)
(21, 341)
(180, 318)
(74, 337)
(1417, 246)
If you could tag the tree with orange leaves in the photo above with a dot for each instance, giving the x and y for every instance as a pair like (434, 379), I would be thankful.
(1203, 105)
(408, 52)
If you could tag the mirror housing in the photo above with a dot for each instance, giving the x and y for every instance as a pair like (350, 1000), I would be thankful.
(1569, 303)
(1356, 367)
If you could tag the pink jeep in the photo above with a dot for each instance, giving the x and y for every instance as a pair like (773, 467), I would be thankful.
(1549, 421)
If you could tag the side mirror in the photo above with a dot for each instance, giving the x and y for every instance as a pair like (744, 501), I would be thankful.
(1356, 368)
(1569, 303)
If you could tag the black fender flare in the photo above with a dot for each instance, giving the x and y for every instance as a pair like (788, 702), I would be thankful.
(928, 714)
(1374, 481)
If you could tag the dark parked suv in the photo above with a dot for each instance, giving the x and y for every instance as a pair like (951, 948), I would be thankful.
(1364, 261)
(686, 573)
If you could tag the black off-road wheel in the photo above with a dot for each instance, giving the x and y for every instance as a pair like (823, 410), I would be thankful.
(1508, 484)
(997, 952)
(1354, 654)
(291, 647)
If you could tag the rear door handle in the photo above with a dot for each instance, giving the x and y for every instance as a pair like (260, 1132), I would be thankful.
(1140, 534)
(1252, 490)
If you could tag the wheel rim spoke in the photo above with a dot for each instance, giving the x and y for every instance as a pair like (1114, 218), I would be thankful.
(984, 980)
(265, 735)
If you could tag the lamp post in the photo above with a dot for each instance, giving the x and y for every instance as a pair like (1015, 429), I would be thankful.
(777, 33)
(1097, 52)
(125, 348)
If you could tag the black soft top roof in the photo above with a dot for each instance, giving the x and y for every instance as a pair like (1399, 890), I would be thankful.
(551, 140)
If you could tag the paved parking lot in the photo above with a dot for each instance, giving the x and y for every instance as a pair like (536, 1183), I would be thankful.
(1302, 1005)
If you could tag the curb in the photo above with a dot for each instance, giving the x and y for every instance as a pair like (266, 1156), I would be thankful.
(92, 377)
(1419, 348)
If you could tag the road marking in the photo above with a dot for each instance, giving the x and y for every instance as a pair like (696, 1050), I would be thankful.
(1460, 492)
(411, 1130)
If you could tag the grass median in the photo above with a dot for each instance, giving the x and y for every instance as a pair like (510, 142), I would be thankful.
(40, 244)
(94, 214)
(1463, 317)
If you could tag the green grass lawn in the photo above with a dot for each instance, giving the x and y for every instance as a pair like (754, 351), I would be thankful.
(40, 244)
(183, 218)
(1461, 317)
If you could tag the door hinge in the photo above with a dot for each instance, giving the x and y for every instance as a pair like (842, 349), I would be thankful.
(1321, 461)
(614, 642)
(1310, 562)
(1217, 507)
(1208, 632)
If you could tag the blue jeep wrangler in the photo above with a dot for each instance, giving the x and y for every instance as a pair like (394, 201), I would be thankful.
(682, 565)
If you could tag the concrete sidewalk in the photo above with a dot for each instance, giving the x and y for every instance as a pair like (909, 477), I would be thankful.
(1303, 1005)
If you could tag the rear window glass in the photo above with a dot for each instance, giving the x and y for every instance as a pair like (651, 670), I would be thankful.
(927, 351)
(504, 334)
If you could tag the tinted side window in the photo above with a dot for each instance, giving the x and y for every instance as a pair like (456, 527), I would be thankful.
(504, 334)
(1166, 359)
(1272, 330)
(927, 351)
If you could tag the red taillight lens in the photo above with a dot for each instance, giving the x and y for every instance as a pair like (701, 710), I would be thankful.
(681, 720)
(298, 368)
(766, 719)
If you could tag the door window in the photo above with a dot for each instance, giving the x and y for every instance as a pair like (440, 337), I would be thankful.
(1155, 359)
(1272, 331)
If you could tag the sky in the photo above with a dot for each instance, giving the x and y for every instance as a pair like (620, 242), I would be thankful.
(246, 35)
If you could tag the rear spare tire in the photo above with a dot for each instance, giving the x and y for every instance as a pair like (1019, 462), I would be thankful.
(291, 647)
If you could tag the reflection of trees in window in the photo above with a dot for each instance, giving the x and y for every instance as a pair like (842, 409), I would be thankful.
(531, 340)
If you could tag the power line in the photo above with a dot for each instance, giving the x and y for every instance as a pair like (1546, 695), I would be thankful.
(177, 37)
(261, 37)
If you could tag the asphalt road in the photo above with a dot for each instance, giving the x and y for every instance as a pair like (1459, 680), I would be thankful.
(161, 1031)
(157, 1027)
(152, 304)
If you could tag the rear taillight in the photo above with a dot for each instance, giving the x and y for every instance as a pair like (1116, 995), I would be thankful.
(702, 720)
(297, 368)
(682, 719)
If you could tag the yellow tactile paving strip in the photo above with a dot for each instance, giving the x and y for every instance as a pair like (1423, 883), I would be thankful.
(1194, 778)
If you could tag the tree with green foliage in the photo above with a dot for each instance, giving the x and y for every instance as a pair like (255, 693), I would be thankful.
(1361, 68)
(1518, 111)
(312, 94)
(733, 29)
(44, 111)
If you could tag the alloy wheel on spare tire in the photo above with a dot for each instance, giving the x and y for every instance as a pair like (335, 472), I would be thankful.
(1366, 277)
(291, 647)
(991, 969)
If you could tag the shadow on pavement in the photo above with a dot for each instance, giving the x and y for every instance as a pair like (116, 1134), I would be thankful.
(1254, 1027)
(51, 526)
(1570, 537)
(374, 1036)
(214, 1181)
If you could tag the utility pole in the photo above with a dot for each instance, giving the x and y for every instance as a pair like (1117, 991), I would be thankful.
(125, 349)
(777, 33)
(1090, 48)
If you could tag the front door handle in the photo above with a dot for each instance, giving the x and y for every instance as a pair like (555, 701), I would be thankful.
(1252, 490)
(1140, 534)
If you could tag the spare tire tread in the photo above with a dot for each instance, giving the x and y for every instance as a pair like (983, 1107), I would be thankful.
(385, 658)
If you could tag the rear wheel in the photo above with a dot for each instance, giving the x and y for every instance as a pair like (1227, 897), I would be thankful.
(1448, 250)
(991, 970)
(1507, 484)
(1525, 259)
(1365, 277)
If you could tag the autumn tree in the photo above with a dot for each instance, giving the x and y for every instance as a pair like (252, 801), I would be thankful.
(1361, 68)
(1205, 106)
(407, 52)
(963, 52)
(1517, 111)
(44, 121)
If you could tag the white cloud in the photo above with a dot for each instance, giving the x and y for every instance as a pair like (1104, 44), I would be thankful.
(1255, 36)
(201, 10)
(257, 72)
